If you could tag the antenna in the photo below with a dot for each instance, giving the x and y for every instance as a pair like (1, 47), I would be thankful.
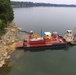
(41, 31)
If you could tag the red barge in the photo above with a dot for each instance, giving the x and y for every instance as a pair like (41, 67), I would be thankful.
(47, 39)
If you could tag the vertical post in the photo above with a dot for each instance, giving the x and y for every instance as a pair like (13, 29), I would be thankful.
(41, 31)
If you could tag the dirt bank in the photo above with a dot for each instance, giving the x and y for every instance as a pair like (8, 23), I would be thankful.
(8, 42)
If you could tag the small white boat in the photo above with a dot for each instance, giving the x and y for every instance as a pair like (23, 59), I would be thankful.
(70, 37)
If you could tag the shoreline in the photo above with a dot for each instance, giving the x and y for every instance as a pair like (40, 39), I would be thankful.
(8, 42)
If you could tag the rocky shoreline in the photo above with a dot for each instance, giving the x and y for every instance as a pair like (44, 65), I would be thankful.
(8, 42)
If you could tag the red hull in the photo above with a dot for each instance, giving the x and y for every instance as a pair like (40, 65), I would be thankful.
(34, 43)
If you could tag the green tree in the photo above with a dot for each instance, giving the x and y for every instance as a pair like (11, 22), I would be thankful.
(6, 13)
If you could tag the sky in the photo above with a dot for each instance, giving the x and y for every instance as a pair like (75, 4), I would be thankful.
(51, 1)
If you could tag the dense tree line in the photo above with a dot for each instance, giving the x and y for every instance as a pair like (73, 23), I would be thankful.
(31, 4)
(6, 13)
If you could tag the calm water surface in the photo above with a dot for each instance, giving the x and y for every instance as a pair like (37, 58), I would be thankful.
(48, 61)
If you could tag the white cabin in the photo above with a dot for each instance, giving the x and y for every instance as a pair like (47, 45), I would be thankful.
(69, 36)
(47, 35)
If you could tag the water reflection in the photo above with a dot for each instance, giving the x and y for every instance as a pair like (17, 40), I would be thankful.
(41, 61)
(45, 61)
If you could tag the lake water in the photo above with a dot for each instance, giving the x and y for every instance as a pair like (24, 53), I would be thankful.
(48, 61)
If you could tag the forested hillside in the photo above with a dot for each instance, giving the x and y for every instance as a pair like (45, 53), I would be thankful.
(17, 4)
(6, 14)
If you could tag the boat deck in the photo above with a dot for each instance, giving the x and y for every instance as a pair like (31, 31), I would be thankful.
(48, 42)
(40, 43)
(19, 44)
